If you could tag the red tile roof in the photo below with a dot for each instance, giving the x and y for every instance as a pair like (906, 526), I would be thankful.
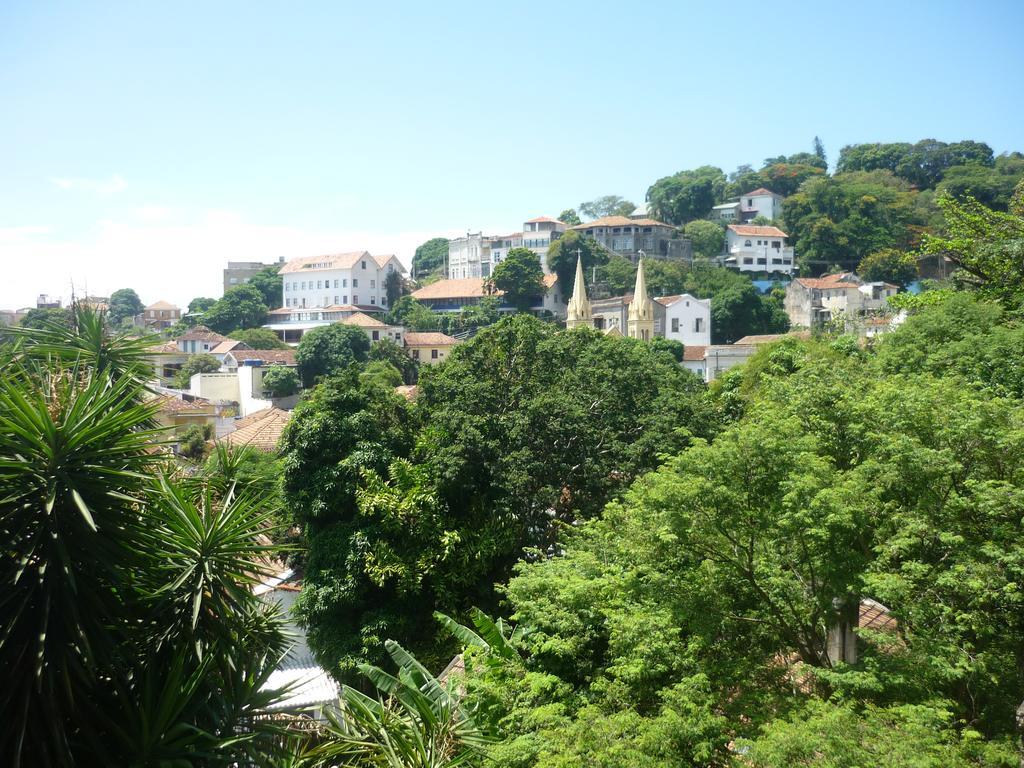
(202, 333)
(693, 353)
(463, 288)
(841, 280)
(162, 305)
(331, 261)
(363, 321)
(276, 356)
(429, 339)
(758, 191)
(748, 230)
(622, 221)
(261, 430)
(543, 219)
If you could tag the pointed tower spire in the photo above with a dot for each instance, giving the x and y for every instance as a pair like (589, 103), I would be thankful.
(579, 314)
(640, 320)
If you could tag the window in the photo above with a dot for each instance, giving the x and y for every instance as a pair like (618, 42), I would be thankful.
(364, 265)
(648, 242)
(335, 298)
(762, 260)
(675, 325)
(303, 285)
(335, 283)
(776, 261)
(415, 354)
(355, 282)
(373, 283)
(433, 354)
(344, 299)
(318, 286)
(373, 299)
(746, 244)
(376, 335)
(776, 244)
(355, 299)
(750, 202)
(698, 324)
(748, 260)
(233, 280)
(787, 261)
(344, 282)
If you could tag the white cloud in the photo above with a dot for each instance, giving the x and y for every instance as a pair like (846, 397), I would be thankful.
(162, 259)
(101, 187)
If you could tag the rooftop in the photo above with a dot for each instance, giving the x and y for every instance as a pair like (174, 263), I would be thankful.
(693, 353)
(429, 339)
(760, 191)
(748, 230)
(276, 356)
(461, 288)
(331, 261)
(363, 321)
(668, 301)
(202, 333)
(261, 430)
(768, 338)
(621, 221)
(162, 305)
(840, 280)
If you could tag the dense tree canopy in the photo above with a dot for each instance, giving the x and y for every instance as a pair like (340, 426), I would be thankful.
(570, 216)
(259, 338)
(329, 349)
(922, 164)
(707, 237)
(280, 381)
(686, 195)
(889, 265)
(270, 284)
(430, 258)
(125, 304)
(239, 308)
(412, 508)
(562, 255)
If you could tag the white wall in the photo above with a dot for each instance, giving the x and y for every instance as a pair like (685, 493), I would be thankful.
(366, 281)
(681, 321)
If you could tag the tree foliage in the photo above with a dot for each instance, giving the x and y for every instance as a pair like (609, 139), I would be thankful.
(329, 349)
(259, 338)
(239, 308)
(607, 205)
(430, 258)
(687, 195)
(520, 277)
(889, 265)
(707, 237)
(923, 164)
(562, 255)
(270, 284)
(281, 381)
(201, 363)
(125, 304)
(570, 216)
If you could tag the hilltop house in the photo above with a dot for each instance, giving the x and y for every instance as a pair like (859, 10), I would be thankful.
(812, 301)
(160, 315)
(759, 202)
(628, 237)
(428, 348)
(752, 248)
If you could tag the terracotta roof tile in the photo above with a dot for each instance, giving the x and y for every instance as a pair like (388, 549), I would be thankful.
(622, 221)
(748, 230)
(226, 346)
(202, 333)
(363, 321)
(277, 356)
(162, 305)
(758, 191)
(693, 352)
(463, 288)
(841, 280)
(261, 430)
(429, 339)
(331, 261)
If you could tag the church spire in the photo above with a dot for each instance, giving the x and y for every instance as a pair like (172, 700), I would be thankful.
(640, 320)
(579, 314)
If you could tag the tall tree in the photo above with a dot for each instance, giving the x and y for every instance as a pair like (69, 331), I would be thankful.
(570, 217)
(687, 195)
(819, 151)
(607, 205)
(270, 284)
(890, 265)
(563, 253)
(520, 277)
(707, 237)
(240, 308)
(329, 349)
(124, 305)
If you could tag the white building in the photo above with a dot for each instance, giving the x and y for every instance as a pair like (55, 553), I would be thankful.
(687, 319)
(761, 202)
(356, 278)
(752, 248)
(476, 255)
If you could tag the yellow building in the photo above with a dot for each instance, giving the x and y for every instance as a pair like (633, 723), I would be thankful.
(428, 348)
(640, 321)
(578, 314)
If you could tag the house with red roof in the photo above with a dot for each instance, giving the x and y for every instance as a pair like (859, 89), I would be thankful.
(758, 249)
(813, 301)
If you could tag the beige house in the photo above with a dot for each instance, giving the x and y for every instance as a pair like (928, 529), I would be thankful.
(429, 348)
(629, 237)
(453, 295)
(813, 301)
(160, 315)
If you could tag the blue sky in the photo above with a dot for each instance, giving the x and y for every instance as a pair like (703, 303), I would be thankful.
(146, 144)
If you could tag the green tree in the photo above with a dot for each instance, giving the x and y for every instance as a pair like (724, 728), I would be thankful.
(570, 217)
(687, 195)
(388, 351)
(240, 308)
(136, 637)
(607, 205)
(42, 318)
(394, 287)
(889, 265)
(619, 274)
(280, 381)
(430, 258)
(329, 349)
(201, 363)
(707, 237)
(843, 218)
(192, 442)
(124, 305)
(520, 277)
(986, 246)
(819, 151)
(923, 164)
(270, 284)
(562, 255)
(259, 338)
(412, 314)
(200, 304)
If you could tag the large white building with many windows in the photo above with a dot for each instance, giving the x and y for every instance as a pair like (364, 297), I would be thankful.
(357, 279)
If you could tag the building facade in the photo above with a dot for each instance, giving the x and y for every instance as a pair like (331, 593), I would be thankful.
(356, 278)
(429, 348)
(632, 238)
(813, 301)
(476, 254)
(761, 249)
(240, 272)
(160, 315)
(687, 319)
(453, 295)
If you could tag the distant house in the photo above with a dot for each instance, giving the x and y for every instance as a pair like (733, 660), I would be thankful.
(628, 237)
(752, 248)
(240, 355)
(812, 301)
(160, 315)
(693, 360)
(429, 348)
(453, 295)
(687, 319)
(374, 329)
(477, 254)
(260, 430)
(167, 359)
(759, 202)
(355, 278)
(199, 340)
